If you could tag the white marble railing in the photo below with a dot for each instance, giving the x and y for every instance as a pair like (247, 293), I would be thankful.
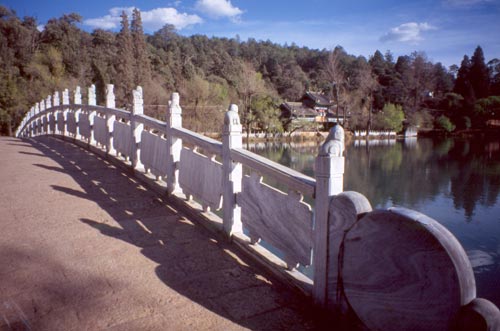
(395, 269)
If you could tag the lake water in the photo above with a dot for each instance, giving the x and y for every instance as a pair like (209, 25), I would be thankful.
(455, 181)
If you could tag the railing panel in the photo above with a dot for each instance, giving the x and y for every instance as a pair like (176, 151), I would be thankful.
(84, 125)
(293, 179)
(71, 123)
(154, 154)
(122, 138)
(60, 122)
(52, 123)
(100, 131)
(201, 177)
(280, 219)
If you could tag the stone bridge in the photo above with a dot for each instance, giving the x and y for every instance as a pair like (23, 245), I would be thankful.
(110, 221)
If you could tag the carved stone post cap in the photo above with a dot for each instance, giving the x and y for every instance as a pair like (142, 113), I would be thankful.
(175, 98)
(334, 143)
(233, 107)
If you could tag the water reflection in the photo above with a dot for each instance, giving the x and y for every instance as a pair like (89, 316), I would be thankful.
(455, 181)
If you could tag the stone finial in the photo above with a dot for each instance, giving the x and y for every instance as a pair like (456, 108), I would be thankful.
(174, 104)
(65, 97)
(91, 96)
(334, 143)
(37, 108)
(78, 96)
(232, 120)
(42, 105)
(56, 98)
(138, 101)
(48, 102)
(110, 96)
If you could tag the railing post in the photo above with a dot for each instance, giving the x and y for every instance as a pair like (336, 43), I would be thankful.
(174, 120)
(37, 121)
(92, 113)
(48, 105)
(65, 102)
(77, 101)
(110, 118)
(56, 103)
(329, 182)
(232, 172)
(138, 109)
(43, 118)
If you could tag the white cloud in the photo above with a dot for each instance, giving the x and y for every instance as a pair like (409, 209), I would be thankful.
(218, 9)
(152, 20)
(407, 32)
(156, 18)
(40, 27)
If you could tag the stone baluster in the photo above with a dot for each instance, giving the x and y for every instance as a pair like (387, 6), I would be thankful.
(232, 172)
(37, 121)
(43, 118)
(329, 182)
(48, 114)
(137, 128)
(92, 113)
(174, 120)
(65, 111)
(77, 99)
(110, 118)
(55, 113)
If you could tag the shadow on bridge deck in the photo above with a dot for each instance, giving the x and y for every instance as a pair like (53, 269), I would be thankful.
(85, 246)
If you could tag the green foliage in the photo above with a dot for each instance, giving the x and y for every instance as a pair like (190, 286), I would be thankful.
(266, 111)
(422, 119)
(212, 72)
(444, 123)
(390, 118)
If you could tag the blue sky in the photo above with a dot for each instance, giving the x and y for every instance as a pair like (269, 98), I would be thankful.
(444, 29)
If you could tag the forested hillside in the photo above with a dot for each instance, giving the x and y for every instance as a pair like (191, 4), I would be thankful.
(210, 73)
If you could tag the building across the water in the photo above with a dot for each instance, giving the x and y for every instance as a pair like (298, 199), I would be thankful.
(313, 107)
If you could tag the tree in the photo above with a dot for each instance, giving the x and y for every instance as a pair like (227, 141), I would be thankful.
(124, 80)
(142, 66)
(248, 84)
(267, 114)
(444, 123)
(390, 118)
(478, 74)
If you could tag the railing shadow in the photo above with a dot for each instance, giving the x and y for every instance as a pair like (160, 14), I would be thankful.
(192, 261)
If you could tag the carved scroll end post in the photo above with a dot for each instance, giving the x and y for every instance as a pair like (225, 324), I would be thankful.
(329, 182)
(137, 128)
(92, 113)
(110, 118)
(77, 101)
(232, 172)
(174, 120)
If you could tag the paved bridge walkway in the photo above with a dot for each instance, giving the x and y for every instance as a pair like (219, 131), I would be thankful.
(83, 246)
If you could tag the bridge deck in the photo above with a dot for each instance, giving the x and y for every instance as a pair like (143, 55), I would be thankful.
(83, 246)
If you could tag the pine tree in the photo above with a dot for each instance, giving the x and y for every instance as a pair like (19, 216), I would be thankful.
(462, 83)
(142, 65)
(478, 74)
(124, 80)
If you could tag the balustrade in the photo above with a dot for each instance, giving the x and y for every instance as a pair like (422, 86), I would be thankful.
(395, 269)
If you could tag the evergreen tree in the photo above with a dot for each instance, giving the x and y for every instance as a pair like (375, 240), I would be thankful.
(462, 84)
(142, 66)
(124, 80)
(478, 74)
